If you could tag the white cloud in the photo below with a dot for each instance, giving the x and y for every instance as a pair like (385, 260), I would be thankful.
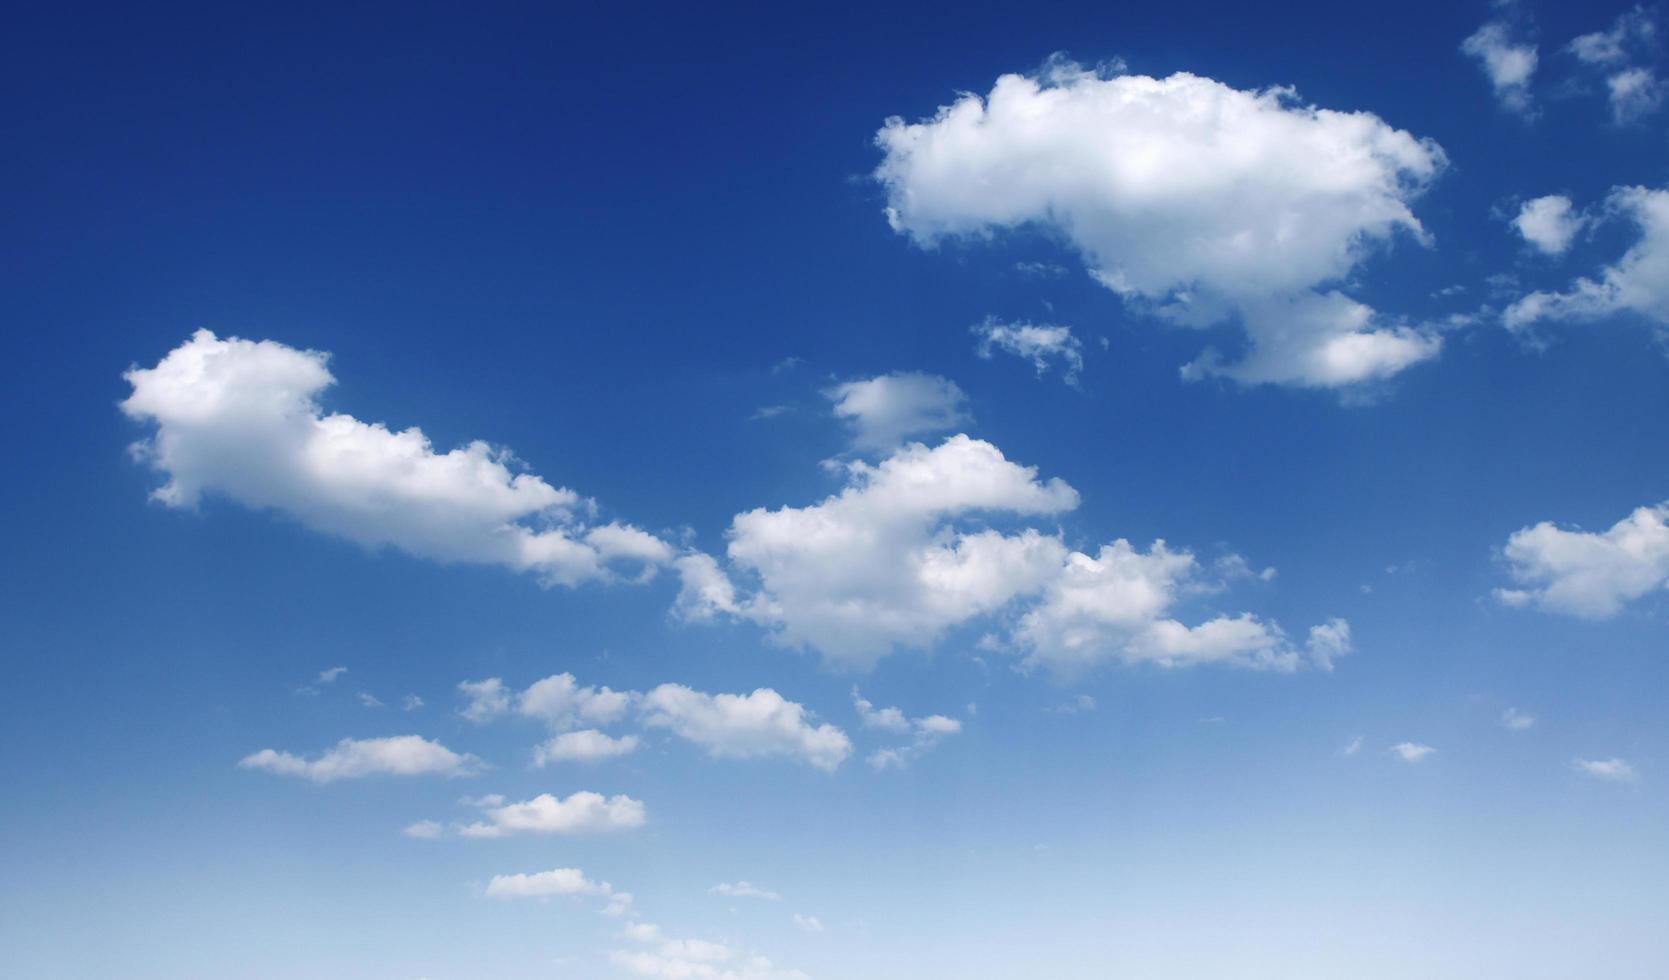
(892, 562)
(485, 700)
(808, 923)
(692, 959)
(744, 889)
(424, 830)
(926, 732)
(584, 812)
(561, 703)
(1615, 770)
(1636, 283)
(400, 755)
(1329, 641)
(1411, 751)
(1352, 747)
(1039, 343)
(745, 726)
(1549, 223)
(1507, 60)
(241, 419)
(1589, 574)
(883, 563)
(587, 745)
(1632, 90)
(368, 700)
(1193, 200)
(544, 884)
(411, 702)
(1514, 720)
(884, 411)
(329, 676)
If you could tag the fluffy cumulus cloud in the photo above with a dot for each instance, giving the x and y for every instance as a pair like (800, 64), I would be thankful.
(241, 419)
(1043, 344)
(1590, 574)
(583, 812)
(884, 411)
(896, 559)
(1549, 224)
(744, 726)
(1637, 283)
(1620, 55)
(1508, 59)
(882, 563)
(1193, 200)
(587, 745)
(398, 755)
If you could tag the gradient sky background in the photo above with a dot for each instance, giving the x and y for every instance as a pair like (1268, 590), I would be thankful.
(639, 248)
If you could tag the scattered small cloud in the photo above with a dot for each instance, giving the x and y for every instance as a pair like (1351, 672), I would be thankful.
(744, 889)
(1612, 770)
(1515, 720)
(1411, 752)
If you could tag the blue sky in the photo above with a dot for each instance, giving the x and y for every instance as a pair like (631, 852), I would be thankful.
(1073, 492)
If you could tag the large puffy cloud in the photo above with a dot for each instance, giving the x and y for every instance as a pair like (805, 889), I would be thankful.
(1637, 283)
(1194, 200)
(880, 564)
(894, 561)
(1585, 573)
(241, 419)
(885, 410)
(399, 755)
(583, 812)
(763, 723)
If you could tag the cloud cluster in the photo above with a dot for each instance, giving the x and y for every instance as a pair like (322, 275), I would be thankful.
(1587, 573)
(1636, 283)
(1193, 200)
(1039, 343)
(241, 419)
(899, 556)
(762, 723)
(885, 410)
(399, 755)
(924, 732)
(1620, 56)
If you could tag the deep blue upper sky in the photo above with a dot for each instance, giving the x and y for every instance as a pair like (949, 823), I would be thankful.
(607, 239)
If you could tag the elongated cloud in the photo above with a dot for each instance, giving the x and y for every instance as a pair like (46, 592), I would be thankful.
(1193, 200)
(745, 726)
(584, 812)
(400, 755)
(1591, 574)
(241, 420)
(896, 559)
